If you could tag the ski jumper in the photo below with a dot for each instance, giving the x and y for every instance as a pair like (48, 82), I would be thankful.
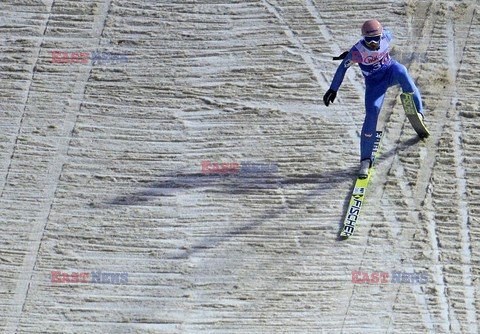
(380, 72)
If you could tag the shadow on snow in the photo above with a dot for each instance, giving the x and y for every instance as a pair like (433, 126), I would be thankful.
(245, 184)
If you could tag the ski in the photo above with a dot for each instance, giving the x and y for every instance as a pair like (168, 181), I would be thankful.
(413, 116)
(358, 195)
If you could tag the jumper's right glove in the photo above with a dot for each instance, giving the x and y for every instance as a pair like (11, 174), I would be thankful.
(342, 56)
(329, 96)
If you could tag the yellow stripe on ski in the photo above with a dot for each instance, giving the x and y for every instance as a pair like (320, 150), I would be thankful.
(358, 195)
(413, 116)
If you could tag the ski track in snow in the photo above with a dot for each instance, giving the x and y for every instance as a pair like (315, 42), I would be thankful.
(101, 169)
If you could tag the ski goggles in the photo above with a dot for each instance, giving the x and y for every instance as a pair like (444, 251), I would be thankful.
(373, 39)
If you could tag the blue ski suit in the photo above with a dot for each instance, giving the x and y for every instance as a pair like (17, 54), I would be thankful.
(380, 72)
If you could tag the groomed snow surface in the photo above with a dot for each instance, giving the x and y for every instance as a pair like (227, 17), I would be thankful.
(101, 169)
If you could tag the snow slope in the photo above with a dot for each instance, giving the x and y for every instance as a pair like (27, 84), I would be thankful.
(100, 169)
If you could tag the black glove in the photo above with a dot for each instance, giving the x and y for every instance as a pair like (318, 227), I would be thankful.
(342, 56)
(329, 96)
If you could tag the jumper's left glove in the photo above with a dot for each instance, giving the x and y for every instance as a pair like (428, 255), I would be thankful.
(329, 96)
